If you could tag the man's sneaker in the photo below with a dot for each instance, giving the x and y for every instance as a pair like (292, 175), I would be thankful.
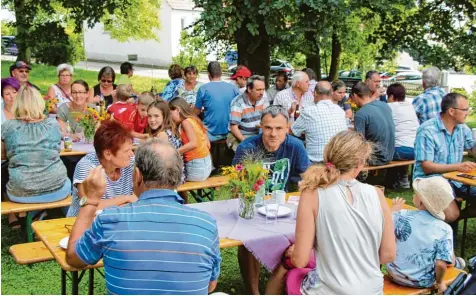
(403, 182)
(460, 263)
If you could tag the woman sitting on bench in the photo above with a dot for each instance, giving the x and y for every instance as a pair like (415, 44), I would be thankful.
(348, 223)
(32, 144)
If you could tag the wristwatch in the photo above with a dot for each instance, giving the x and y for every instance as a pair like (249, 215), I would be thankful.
(84, 201)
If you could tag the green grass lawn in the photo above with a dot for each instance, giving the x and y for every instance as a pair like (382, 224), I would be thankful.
(44, 278)
(44, 76)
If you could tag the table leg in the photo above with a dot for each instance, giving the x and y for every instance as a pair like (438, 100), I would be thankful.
(91, 282)
(75, 283)
(29, 231)
(63, 282)
(465, 223)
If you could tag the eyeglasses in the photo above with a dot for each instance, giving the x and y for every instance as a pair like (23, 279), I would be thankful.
(24, 71)
(66, 75)
(78, 92)
(106, 81)
(464, 110)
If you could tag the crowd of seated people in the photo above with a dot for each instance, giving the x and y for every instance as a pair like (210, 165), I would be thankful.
(304, 125)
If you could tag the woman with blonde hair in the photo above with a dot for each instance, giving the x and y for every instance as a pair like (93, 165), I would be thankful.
(32, 144)
(348, 224)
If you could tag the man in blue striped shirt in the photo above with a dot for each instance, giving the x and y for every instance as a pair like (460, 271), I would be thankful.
(440, 143)
(428, 104)
(155, 245)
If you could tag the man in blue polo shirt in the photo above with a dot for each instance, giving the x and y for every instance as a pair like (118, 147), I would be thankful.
(155, 245)
(285, 157)
(215, 98)
(439, 147)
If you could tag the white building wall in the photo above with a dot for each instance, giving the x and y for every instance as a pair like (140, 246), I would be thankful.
(100, 46)
(181, 19)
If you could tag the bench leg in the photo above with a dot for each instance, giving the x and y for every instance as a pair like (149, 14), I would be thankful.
(75, 283)
(91, 282)
(63, 282)
(29, 230)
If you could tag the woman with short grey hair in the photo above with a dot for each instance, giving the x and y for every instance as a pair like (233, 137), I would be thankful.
(62, 89)
(431, 77)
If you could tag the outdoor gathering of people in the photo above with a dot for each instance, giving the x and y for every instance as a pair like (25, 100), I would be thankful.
(130, 213)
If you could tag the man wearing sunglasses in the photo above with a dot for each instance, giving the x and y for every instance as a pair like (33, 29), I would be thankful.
(439, 147)
(21, 72)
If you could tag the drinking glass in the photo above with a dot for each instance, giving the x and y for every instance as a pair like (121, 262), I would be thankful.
(272, 208)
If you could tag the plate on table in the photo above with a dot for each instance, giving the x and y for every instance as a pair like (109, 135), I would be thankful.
(64, 242)
(283, 211)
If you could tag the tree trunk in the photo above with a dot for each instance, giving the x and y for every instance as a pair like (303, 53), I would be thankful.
(313, 58)
(253, 51)
(335, 57)
(24, 53)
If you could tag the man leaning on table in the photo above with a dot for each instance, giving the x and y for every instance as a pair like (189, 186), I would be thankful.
(439, 147)
(279, 150)
(155, 245)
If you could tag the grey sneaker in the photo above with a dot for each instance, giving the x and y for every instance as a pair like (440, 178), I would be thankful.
(403, 182)
(460, 263)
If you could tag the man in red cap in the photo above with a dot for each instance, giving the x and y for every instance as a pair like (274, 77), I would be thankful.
(240, 77)
(21, 72)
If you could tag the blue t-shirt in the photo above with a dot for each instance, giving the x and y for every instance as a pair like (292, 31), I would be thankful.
(374, 120)
(421, 240)
(285, 165)
(216, 97)
(154, 246)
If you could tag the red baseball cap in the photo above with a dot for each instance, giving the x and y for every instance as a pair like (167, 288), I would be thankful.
(242, 72)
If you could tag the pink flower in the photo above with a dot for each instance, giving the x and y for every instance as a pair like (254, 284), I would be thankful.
(239, 167)
(260, 182)
(256, 187)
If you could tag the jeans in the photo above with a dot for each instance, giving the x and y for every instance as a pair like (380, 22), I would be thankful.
(404, 153)
(461, 190)
(214, 138)
(60, 194)
(198, 169)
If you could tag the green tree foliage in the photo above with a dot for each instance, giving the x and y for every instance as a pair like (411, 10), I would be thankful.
(135, 19)
(8, 29)
(192, 51)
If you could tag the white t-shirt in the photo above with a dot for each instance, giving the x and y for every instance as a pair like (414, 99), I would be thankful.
(122, 186)
(406, 123)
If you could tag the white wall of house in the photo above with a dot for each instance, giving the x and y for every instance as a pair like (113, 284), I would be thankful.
(100, 46)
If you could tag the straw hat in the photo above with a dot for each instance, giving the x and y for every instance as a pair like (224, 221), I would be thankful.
(435, 193)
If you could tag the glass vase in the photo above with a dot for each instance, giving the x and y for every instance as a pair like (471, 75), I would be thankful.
(89, 139)
(246, 209)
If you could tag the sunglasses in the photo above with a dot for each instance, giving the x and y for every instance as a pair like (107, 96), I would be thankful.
(68, 227)
(24, 71)
(106, 81)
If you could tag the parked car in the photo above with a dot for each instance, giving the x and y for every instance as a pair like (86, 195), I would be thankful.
(350, 77)
(9, 45)
(412, 77)
(276, 66)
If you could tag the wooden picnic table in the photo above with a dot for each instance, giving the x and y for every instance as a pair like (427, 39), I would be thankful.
(51, 232)
(465, 181)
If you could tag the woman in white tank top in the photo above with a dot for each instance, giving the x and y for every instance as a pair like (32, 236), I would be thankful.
(347, 223)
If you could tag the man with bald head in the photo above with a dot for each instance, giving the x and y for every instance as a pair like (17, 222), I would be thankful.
(320, 122)
(150, 239)
(296, 98)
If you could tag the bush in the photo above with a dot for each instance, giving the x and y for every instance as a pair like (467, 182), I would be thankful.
(51, 45)
(192, 52)
(471, 97)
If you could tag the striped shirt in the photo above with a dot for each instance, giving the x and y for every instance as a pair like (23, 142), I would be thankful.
(319, 123)
(287, 97)
(246, 115)
(434, 143)
(154, 246)
(428, 104)
(122, 186)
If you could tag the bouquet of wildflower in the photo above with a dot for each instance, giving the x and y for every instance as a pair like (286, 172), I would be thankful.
(245, 181)
(353, 105)
(50, 104)
(90, 122)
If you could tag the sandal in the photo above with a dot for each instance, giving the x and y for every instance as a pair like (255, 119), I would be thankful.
(15, 224)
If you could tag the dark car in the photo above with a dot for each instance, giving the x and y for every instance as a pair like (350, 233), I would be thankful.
(350, 77)
(9, 46)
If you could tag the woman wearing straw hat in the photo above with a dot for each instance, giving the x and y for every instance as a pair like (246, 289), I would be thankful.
(424, 240)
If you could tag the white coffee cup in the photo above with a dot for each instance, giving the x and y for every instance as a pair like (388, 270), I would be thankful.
(279, 196)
